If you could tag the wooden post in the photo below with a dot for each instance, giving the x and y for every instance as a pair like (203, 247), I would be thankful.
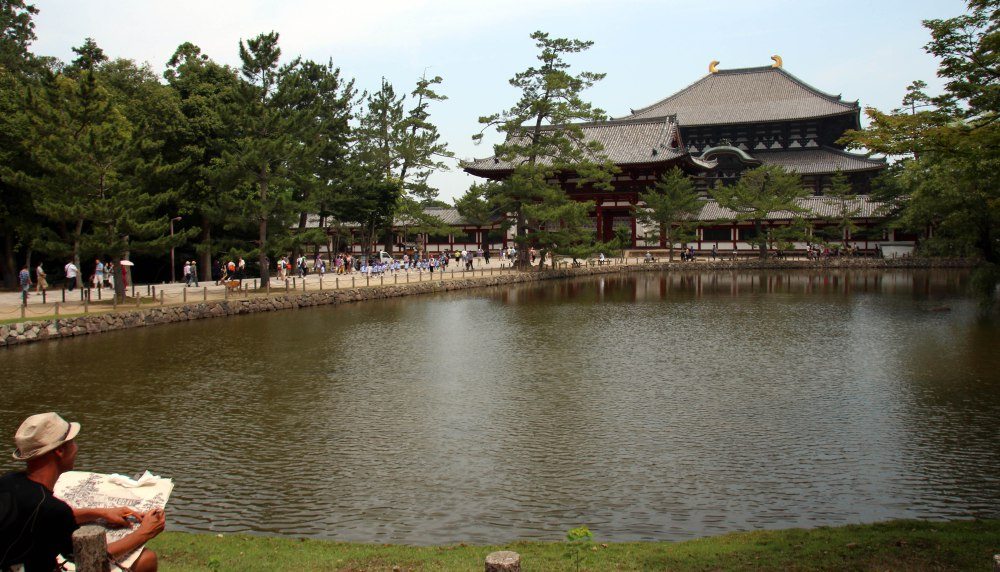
(161, 297)
(254, 283)
(320, 282)
(57, 309)
(64, 294)
(148, 286)
(86, 307)
(185, 294)
(43, 297)
(336, 282)
(204, 293)
(381, 278)
(303, 283)
(294, 286)
(503, 561)
(352, 281)
(22, 311)
(138, 299)
(90, 549)
(99, 288)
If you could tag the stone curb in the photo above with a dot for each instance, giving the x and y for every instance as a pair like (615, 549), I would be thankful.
(28, 332)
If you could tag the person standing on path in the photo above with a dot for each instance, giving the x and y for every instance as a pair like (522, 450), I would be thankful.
(41, 283)
(194, 272)
(98, 273)
(71, 271)
(24, 277)
(187, 273)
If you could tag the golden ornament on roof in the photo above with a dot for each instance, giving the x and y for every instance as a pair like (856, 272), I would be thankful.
(712, 68)
(777, 61)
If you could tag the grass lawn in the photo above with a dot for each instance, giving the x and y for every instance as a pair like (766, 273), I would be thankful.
(896, 545)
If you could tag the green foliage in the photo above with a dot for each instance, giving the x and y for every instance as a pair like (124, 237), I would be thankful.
(946, 179)
(544, 139)
(761, 191)
(670, 208)
(841, 196)
(579, 539)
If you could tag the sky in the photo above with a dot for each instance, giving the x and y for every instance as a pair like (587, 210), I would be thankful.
(865, 50)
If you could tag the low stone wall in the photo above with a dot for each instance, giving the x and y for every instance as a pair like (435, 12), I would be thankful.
(26, 332)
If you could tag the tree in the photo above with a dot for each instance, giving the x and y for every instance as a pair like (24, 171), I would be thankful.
(945, 179)
(204, 90)
(324, 171)
(474, 206)
(268, 140)
(759, 192)
(420, 147)
(845, 203)
(544, 139)
(670, 205)
(18, 70)
(78, 140)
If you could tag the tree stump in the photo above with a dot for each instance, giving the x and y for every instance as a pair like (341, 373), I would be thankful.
(503, 561)
(90, 549)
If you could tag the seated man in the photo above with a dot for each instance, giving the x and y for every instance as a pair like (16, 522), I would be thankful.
(34, 525)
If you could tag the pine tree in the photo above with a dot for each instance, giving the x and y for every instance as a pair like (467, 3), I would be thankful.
(670, 205)
(544, 140)
(268, 132)
(759, 192)
(842, 198)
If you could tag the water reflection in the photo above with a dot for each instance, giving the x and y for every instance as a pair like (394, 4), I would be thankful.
(649, 406)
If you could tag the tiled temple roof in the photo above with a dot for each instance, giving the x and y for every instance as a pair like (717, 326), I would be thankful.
(816, 207)
(746, 95)
(625, 143)
(824, 160)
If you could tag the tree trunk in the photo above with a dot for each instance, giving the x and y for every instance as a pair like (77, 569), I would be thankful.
(9, 263)
(669, 235)
(523, 261)
(262, 252)
(206, 249)
(760, 237)
(76, 253)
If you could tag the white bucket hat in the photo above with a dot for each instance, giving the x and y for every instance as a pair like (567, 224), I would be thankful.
(41, 433)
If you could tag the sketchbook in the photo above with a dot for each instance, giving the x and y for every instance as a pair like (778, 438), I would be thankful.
(81, 489)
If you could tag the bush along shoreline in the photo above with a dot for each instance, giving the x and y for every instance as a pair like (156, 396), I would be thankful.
(893, 545)
(50, 329)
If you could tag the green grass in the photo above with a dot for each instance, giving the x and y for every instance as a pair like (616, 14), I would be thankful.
(896, 545)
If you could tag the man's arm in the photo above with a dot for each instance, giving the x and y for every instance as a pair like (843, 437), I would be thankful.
(116, 517)
(152, 524)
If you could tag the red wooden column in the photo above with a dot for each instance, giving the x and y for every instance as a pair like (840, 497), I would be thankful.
(600, 221)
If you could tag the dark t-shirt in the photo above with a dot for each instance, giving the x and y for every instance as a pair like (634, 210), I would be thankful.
(34, 525)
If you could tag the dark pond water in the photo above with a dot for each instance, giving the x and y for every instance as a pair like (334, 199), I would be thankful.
(649, 406)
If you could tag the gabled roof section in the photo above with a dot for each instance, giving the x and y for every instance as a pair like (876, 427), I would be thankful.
(824, 160)
(630, 142)
(861, 206)
(746, 95)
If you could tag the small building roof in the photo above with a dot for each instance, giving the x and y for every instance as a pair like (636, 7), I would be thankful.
(746, 95)
(630, 142)
(816, 208)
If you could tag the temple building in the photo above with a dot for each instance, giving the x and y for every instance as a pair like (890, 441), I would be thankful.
(714, 129)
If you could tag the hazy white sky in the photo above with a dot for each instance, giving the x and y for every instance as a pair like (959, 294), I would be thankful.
(868, 50)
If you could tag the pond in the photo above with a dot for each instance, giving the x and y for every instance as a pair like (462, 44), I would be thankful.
(649, 406)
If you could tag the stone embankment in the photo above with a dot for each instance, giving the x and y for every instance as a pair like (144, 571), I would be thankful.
(26, 332)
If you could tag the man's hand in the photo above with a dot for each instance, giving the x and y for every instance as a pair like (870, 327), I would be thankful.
(152, 523)
(117, 517)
